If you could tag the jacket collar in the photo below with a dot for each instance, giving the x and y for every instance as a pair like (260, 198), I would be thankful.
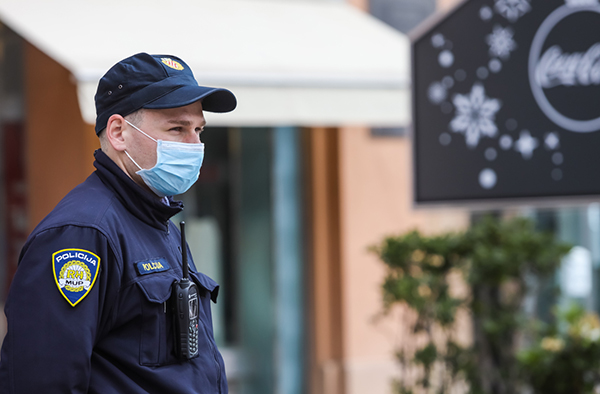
(141, 203)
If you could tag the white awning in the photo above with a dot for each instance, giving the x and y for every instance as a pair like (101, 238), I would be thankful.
(288, 62)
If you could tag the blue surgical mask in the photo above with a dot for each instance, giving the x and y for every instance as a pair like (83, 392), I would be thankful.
(177, 166)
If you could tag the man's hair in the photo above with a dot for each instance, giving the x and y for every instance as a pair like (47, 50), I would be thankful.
(134, 118)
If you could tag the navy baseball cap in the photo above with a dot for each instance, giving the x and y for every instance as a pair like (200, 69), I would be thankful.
(155, 82)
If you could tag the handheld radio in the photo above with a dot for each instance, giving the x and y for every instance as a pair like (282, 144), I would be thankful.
(185, 304)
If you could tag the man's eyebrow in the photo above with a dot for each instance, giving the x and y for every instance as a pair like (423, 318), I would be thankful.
(183, 122)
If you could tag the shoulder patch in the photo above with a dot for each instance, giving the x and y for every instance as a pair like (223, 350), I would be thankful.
(75, 272)
(153, 265)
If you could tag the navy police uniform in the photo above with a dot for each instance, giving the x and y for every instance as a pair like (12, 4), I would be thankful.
(87, 309)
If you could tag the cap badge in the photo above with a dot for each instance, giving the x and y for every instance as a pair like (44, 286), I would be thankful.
(172, 63)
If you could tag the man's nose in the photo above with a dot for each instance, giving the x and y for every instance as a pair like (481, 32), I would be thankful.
(192, 138)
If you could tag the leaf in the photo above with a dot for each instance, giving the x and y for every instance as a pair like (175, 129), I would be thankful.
(427, 356)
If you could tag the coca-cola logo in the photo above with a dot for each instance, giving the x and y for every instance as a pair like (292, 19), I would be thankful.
(568, 69)
(564, 73)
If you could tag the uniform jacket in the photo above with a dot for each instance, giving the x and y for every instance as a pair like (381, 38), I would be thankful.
(109, 249)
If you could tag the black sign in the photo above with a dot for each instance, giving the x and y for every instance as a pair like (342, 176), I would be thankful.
(506, 97)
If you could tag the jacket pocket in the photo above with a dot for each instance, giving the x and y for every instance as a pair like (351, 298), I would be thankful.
(156, 331)
(209, 290)
(210, 287)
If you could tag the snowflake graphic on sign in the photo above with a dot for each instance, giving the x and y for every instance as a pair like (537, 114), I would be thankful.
(526, 144)
(512, 9)
(475, 115)
(551, 140)
(501, 42)
(437, 92)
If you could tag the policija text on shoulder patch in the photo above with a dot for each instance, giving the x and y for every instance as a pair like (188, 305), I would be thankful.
(75, 272)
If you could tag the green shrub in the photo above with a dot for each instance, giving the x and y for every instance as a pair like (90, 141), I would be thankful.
(493, 257)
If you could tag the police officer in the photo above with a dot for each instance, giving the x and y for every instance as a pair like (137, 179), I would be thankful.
(88, 310)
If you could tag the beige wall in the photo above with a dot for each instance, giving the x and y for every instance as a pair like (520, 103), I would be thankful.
(360, 4)
(446, 4)
(375, 198)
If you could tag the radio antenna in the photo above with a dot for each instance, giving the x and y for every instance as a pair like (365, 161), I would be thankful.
(186, 272)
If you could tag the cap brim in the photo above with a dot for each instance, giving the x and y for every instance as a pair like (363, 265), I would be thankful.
(213, 99)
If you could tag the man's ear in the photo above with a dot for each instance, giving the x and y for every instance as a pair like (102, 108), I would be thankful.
(115, 128)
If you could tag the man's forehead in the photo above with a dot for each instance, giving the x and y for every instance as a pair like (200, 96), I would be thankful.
(183, 116)
(193, 109)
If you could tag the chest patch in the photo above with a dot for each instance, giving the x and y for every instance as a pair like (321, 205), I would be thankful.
(75, 272)
(152, 266)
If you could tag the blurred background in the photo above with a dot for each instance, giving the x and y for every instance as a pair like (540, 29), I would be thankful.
(314, 167)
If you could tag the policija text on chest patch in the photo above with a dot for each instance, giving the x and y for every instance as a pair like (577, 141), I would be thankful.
(75, 272)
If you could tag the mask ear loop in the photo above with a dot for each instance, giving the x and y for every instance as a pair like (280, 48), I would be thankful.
(130, 158)
(135, 127)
